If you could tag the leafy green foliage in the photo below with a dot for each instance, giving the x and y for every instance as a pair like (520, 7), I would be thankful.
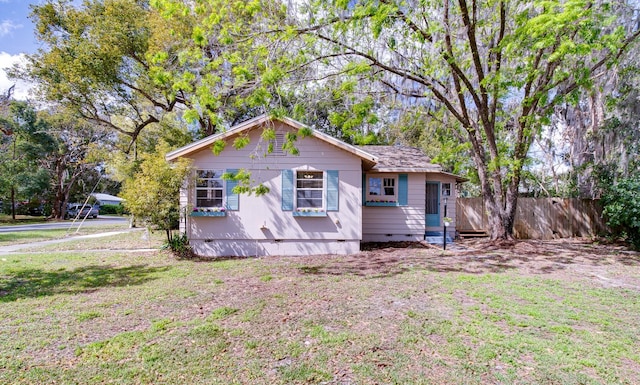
(621, 202)
(97, 61)
(151, 194)
(289, 144)
(22, 154)
(240, 142)
(111, 209)
(496, 69)
(179, 245)
(226, 68)
(245, 183)
(218, 147)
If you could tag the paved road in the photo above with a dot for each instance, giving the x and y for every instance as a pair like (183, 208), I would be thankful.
(100, 221)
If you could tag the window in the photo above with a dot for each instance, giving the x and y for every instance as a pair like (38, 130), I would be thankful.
(309, 189)
(446, 189)
(382, 189)
(385, 189)
(310, 193)
(209, 188)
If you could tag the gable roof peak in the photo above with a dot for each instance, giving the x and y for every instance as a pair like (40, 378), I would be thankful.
(369, 159)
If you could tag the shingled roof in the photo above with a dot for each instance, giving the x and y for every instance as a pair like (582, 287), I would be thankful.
(401, 158)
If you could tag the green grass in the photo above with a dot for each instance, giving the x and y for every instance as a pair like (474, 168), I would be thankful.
(7, 220)
(133, 318)
(124, 241)
(20, 237)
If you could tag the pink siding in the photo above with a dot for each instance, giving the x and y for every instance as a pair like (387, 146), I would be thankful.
(403, 223)
(406, 223)
(260, 227)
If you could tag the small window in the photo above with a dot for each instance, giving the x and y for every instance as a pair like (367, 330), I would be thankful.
(209, 188)
(446, 189)
(382, 189)
(309, 189)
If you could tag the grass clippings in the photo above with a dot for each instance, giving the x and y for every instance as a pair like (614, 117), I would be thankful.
(561, 312)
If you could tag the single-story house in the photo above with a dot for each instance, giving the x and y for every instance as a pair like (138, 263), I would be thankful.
(326, 200)
(107, 199)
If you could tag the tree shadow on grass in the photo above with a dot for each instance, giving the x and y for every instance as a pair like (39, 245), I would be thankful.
(389, 263)
(32, 283)
(537, 257)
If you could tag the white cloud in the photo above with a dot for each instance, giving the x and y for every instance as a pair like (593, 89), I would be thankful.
(22, 88)
(8, 26)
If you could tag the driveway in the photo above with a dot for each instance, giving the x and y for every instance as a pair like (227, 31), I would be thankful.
(103, 220)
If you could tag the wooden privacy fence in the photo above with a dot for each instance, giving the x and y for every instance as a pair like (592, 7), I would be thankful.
(538, 218)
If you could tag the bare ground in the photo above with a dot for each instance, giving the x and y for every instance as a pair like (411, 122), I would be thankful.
(609, 264)
(298, 304)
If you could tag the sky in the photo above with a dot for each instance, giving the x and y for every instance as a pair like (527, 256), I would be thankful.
(16, 39)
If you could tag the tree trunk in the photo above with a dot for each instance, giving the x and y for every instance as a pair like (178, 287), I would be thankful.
(501, 216)
(13, 203)
(501, 211)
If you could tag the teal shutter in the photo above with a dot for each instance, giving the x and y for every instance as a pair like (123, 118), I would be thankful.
(403, 190)
(364, 189)
(287, 190)
(332, 190)
(233, 199)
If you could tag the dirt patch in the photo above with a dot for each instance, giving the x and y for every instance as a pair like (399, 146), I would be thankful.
(567, 257)
(379, 316)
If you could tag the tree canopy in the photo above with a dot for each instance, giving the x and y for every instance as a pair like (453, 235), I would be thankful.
(490, 71)
(481, 77)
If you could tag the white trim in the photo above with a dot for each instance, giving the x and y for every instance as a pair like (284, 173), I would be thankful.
(400, 170)
(323, 189)
(382, 196)
(417, 170)
(210, 189)
(202, 143)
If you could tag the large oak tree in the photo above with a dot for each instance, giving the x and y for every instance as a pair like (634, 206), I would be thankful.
(496, 69)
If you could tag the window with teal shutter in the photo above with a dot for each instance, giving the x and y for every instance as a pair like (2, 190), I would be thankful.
(403, 190)
(332, 190)
(287, 190)
(233, 199)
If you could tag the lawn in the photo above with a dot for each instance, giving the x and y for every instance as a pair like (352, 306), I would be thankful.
(530, 313)
(20, 220)
(20, 237)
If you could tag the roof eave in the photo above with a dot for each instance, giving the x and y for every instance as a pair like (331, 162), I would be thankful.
(419, 170)
(204, 142)
(368, 158)
(405, 169)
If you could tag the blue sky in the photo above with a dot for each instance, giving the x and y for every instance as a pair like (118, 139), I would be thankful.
(16, 39)
(16, 30)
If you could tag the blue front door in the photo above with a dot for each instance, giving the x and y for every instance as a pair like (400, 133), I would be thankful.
(432, 204)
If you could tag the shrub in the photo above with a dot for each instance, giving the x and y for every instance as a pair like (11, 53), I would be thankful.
(111, 209)
(151, 195)
(621, 208)
(179, 245)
